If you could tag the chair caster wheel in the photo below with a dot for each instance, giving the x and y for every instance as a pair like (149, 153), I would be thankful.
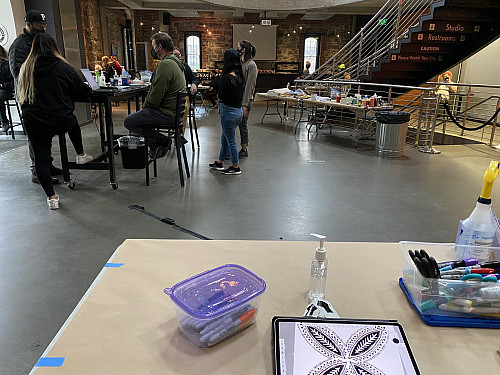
(71, 184)
(114, 185)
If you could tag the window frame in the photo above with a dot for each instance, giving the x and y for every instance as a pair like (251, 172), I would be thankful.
(187, 34)
(318, 49)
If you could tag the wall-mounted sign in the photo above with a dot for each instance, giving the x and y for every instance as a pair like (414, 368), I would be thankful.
(4, 35)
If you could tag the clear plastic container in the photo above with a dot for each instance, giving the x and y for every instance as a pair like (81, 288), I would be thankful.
(456, 298)
(217, 303)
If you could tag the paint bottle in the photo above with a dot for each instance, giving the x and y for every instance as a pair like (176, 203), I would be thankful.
(319, 266)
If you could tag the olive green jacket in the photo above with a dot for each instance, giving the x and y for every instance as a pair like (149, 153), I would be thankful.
(167, 80)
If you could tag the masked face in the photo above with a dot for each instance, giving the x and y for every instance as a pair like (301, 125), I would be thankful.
(38, 28)
(154, 52)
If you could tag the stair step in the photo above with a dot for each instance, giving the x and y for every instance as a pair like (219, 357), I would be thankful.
(473, 3)
(442, 38)
(427, 48)
(414, 59)
(451, 27)
(463, 14)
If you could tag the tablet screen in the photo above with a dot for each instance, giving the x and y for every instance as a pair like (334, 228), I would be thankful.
(321, 347)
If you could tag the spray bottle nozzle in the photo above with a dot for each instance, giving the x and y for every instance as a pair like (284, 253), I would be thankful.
(490, 176)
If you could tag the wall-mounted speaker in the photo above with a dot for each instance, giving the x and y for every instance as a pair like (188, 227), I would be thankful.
(165, 19)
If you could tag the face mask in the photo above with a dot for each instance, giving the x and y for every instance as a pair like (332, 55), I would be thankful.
(154, 54)
(34, 31)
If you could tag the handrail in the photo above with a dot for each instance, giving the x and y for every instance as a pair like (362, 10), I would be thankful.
(383, 32)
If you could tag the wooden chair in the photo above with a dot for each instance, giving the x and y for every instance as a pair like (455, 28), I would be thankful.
(172, 131)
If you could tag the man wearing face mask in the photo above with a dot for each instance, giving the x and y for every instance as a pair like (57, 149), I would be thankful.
(36, 22)
(159, 106)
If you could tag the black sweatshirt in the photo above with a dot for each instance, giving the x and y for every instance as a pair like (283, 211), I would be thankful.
(57, 87)
(230, 90)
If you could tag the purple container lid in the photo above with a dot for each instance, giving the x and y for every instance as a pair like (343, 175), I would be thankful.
(217, 291)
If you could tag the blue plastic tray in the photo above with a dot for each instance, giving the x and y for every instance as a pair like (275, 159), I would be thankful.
(450, 321)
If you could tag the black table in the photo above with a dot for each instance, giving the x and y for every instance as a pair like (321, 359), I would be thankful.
(104, 161)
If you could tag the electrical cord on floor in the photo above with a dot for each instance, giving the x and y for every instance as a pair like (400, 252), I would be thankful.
(454, 120)
(166, 220)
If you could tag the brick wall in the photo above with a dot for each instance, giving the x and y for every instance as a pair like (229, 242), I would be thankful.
(335, 32)
(91, 32)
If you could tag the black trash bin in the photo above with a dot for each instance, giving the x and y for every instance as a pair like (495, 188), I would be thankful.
(391, 133)
(133, 152)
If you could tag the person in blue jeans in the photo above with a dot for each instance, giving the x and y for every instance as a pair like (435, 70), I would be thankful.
(230, 99)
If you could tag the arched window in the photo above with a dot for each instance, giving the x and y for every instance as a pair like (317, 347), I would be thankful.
(193, 51)
(311, 51)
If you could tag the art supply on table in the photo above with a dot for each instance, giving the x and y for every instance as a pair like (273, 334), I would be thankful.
(216, 304)
(319, 266)
(479, 228)
(462, 293)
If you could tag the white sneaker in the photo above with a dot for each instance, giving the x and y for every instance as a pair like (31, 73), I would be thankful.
(53, 203)
(85, 158)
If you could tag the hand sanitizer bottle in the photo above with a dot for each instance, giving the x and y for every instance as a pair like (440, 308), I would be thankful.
(102, 80)
(318, 270)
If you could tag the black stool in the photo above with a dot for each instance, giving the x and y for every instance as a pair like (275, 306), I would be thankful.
(192, 120)
(172, 131)
(8, 104)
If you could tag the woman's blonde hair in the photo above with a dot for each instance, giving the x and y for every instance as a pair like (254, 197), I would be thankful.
(43, 45)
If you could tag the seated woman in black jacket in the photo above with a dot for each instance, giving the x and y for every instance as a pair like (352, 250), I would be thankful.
(6, 86)
(48, 88)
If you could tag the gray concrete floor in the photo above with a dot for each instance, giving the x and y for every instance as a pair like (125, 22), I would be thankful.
(290, 187)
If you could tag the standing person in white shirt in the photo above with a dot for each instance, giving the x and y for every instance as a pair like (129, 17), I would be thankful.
(250, 71)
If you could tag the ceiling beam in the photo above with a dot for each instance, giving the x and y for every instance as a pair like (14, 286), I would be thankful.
(133, 4)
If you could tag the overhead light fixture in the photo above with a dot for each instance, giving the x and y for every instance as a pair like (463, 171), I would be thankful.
(250, 31)
(204, 25)
(288, 34)
(142, 23)
(209, 33)
(294, 31)
(253, 26)
(300, 27)
(152, 28)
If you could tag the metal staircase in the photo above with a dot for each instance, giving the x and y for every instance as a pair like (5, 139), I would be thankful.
(410, 41)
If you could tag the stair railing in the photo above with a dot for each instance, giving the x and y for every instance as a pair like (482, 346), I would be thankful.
(383, 32)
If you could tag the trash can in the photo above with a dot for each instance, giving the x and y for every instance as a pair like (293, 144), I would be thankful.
(133, 152)
(391, 133)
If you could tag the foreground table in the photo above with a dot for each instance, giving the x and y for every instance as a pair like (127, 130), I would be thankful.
(125, 324)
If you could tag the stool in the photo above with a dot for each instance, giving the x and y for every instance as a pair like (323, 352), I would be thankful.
(173, 132)
(8, 104)
(192, 121)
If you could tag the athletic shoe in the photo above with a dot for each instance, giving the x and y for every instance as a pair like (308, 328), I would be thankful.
(232, 170)
(157, 152)
(217, 165)
(243, 154)
(55, 171)
(53, 203)
(83, 159)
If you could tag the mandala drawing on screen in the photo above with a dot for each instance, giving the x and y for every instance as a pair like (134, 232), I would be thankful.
(345, 358)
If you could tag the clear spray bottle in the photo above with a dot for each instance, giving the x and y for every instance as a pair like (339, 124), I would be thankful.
(479, 228)
(318, 270)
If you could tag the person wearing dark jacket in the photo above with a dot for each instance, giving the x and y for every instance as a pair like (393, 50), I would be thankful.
(6, 87)
(231, 113)
(192, 85)
(48, 88)
(36, 23)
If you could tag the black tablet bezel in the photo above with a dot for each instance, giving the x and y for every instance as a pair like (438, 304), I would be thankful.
(277, 319)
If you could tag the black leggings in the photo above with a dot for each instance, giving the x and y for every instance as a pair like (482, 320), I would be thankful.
(42, 147)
